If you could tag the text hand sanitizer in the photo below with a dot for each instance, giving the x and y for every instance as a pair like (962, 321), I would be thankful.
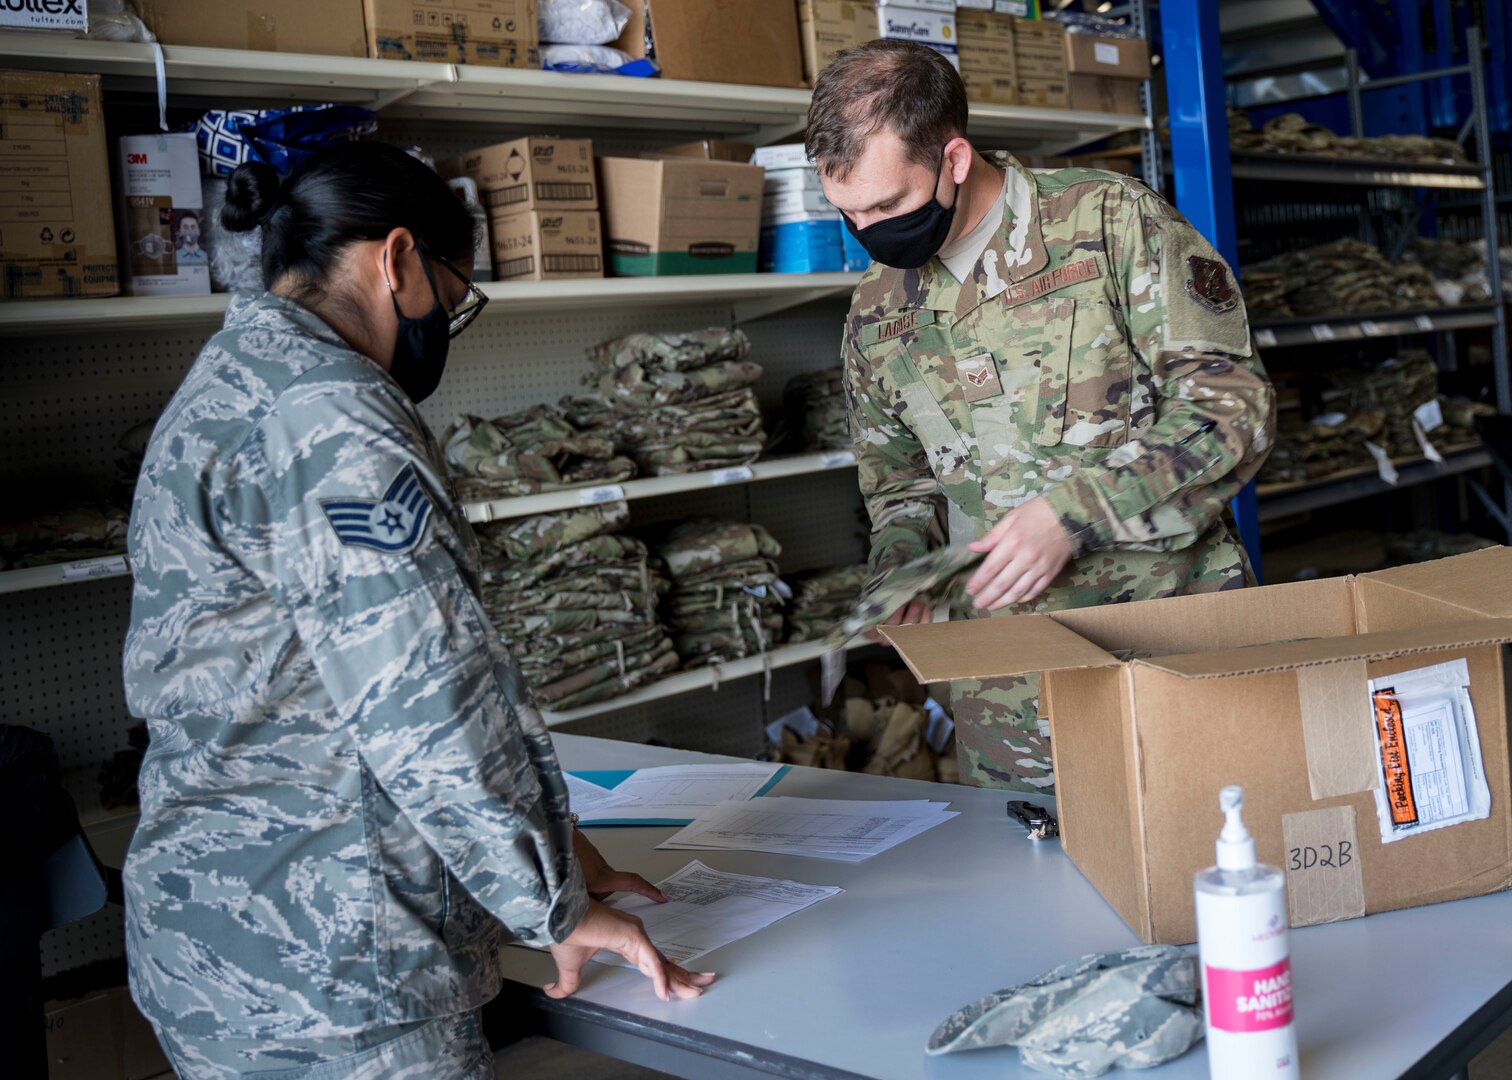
(1245, 957)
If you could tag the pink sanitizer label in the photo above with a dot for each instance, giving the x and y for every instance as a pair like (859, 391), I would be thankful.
(1250, 1000)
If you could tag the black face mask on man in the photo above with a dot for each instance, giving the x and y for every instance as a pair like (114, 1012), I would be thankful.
(910, 240)
(421, 345)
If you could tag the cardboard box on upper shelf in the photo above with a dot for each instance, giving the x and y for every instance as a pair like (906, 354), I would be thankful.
(489, 33)
(1119, 58)
(827, 27)
(331, 27)
(538, 172)
(1099, 93)
(680, 216)
(932, 28)
(57, 233)
(1039, 52)
(1156, 705)
(989, 67)
(708, 150)
(754, 42)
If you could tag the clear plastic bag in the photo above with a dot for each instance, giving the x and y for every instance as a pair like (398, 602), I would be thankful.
(591, 59)
(581, 22)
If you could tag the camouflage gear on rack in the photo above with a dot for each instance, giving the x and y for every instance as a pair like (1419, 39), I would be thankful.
(1132, 1009)
(1292, 133)
(56, 536)
(550, 534)
(528, 452)
(676, 403)
(348, 793)
(1098, 357)
(1339, 278)
(726, 599)
(818, 398)
(823, 599)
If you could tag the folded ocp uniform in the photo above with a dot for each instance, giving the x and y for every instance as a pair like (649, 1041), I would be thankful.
(676, 403)
(822, 599)
(528, 452)
(1339, 277)
(575, 600)
(941, 574)
(726, 599)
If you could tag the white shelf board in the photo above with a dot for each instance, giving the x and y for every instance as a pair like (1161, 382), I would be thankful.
(651, 486)
(67, 573)
(706, 678)
(756, 293)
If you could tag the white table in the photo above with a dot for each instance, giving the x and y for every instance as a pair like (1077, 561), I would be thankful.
(854, 986)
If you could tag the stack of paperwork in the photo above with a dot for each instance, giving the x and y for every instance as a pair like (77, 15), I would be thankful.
(844, 829)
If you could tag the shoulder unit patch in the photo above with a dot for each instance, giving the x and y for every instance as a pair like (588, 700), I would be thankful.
(391, 524)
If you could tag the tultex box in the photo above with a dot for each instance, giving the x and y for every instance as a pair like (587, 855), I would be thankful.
(57, 235)
(680, 216)
(1265, 688)
(490, 33)
(827, 27)
(725, 41)
(933, 28)
(989, 67)
(538, 172)
(804, 244)
(330, 27)
(547, 245)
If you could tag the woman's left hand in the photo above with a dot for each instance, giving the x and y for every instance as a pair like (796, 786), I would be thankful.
(603, 880)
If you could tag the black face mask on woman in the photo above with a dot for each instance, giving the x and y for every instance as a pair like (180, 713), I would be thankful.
(910, 240)
(421, 345)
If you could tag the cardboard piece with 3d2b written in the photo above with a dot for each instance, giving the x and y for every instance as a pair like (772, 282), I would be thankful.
(1211, 696)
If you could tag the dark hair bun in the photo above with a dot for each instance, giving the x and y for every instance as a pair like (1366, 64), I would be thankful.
(251, 192)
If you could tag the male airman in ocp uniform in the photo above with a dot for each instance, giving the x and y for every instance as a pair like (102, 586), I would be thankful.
(1055, 367)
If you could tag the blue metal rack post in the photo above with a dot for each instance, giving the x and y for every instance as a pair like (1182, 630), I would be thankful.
(1203, 177)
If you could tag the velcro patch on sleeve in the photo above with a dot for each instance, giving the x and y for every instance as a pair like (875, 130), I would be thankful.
(1203, 307)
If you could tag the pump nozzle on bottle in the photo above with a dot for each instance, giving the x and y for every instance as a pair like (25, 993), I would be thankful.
(1236, 848)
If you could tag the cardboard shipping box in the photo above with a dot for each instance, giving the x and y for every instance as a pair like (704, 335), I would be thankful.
(1265, 688)
(1099, 93)
(680, 216)
(331, 27)
(827, 27)
(547, 245)
(934, 28)
(57, 235)
(728, 41)
(1039, 51)
(989, 67)
(707, 150)
(1123, 58)
(491, 33)
(538, 172)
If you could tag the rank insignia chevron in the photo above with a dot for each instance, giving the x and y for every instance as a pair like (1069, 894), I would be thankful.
(391, 524)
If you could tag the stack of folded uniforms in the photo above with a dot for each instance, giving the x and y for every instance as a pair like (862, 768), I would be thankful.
(823, 599)
(1458, 269)
(1323, 446)
(819, 397)
(1396, 388)
(726, 599)
(575, 601)
(528, 452)
(1341, 277)
(676, 403)
(42, 538)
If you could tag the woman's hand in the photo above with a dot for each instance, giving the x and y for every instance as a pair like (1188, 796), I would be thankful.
(603, 880)
(606, 928)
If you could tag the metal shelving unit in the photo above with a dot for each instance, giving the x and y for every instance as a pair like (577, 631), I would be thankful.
(1321, 329)
(1356, 172)
(66, 573)
(1283, 500)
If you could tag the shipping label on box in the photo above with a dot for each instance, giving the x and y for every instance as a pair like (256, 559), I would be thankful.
(534, 173)
(827, 27)
(1126, 58)
(490, 33)
(57, 236)
(547, 245)
(44, 14)
(161, 217)
(934, 29)
(680, 217)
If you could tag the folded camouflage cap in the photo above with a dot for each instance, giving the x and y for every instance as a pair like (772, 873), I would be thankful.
(1133, 1009)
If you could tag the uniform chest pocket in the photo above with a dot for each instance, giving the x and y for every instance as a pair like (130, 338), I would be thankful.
(1085, 376)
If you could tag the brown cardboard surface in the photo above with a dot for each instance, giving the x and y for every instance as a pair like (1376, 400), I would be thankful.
(707, 150)
(1045, 93)
(1323, 879)
(490, 33)
(683, 207)
(1336, 728)
(728, 41)
(826, 27)
(539, 172)
(546, 245)
(330, 27)
(1040, 49)
(1143, 746)
(1097, 93)
(57, 233)
(989, 66)
(1088, 54)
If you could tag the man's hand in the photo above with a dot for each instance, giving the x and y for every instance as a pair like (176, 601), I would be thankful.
(1025, 552)
(918, 610)
(606, 928)
(603, 880)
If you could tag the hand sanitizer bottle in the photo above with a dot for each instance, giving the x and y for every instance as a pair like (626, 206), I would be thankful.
(1246, 962)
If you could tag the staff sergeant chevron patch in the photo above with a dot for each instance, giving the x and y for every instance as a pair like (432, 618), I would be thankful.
(392, 523)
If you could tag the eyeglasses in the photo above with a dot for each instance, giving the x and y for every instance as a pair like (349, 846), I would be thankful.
(470, 306)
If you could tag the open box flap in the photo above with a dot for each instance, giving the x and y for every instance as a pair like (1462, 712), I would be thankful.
(993, 648)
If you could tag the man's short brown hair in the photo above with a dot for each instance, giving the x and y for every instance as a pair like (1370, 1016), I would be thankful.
(899, 85)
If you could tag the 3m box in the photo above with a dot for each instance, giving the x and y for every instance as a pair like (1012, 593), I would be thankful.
(933, 28)
(680, 217)
(1122, 58)
(805, 245)
(725, 41)
(331, 27)
(57, 236)
(1265, 688)
(490, 33)
(989, 66)
(827, 27)
(1098, 93)
(534, 173)
(547, 245)
(161, 216)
